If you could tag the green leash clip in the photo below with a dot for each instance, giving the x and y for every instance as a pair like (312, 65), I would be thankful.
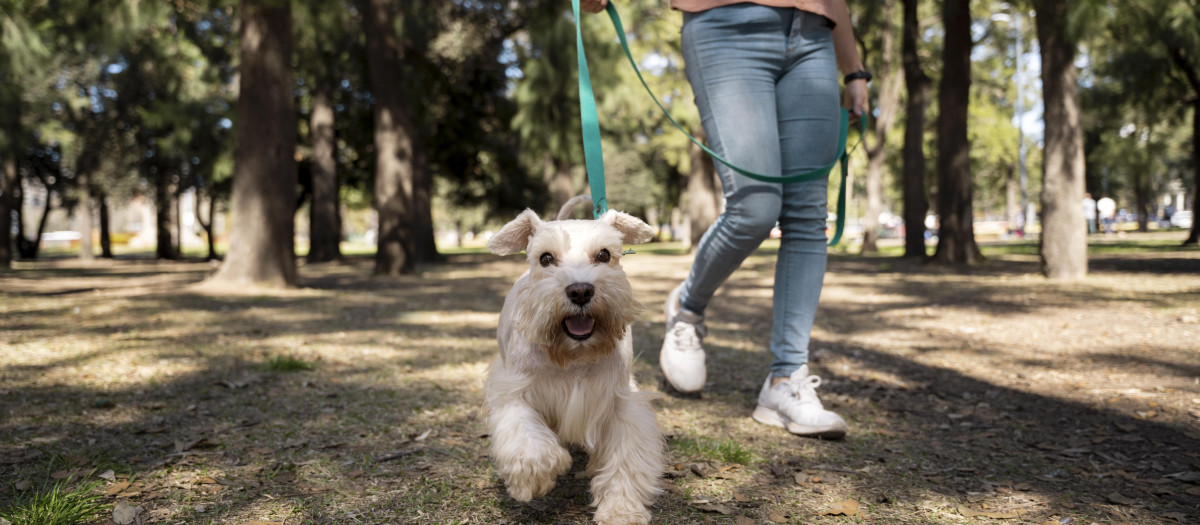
(594, 157)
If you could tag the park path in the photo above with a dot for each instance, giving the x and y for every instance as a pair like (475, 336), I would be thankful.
(980, 396)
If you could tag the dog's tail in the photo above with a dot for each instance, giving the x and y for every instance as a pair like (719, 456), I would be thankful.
(565, 211)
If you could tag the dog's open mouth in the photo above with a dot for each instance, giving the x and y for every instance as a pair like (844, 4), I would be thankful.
(579, 327)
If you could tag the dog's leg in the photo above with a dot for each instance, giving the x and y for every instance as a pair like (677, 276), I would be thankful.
(527, 454)
(627, 464)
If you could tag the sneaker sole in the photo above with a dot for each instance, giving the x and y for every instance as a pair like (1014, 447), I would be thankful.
(772, 417)
(674, 384)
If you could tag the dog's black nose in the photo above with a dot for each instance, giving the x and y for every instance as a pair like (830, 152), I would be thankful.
(581, 293)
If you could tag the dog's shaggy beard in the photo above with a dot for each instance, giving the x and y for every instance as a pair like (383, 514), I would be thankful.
(543, 307)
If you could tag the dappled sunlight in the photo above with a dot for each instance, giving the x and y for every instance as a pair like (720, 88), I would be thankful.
(963, 392)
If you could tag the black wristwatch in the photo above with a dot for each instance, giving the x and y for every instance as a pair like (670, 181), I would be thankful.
(862, 73)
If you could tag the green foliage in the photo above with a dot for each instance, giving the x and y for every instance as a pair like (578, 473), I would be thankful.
(723, 450)
(286, 363)
(58, 504)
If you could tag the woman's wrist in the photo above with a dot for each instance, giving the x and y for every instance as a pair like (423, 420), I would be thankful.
(859, 74)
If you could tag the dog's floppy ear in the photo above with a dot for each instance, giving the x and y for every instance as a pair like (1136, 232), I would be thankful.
(514, 236)
(633, 230)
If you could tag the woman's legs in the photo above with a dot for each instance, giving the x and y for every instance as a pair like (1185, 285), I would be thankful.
(735, 56)
(809, 117)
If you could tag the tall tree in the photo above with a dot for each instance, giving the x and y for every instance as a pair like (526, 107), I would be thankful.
(325, 226)
(324, 39)
(395, 142)
(887, 104)
(10, 182)
(956, 231)
(1063, 242)
(264, 181)
(918, 84)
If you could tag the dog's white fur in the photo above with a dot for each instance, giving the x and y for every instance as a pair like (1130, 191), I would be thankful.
(547, 390)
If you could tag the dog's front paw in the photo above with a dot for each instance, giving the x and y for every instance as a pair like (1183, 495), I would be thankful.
(621, 513)
(533, 474)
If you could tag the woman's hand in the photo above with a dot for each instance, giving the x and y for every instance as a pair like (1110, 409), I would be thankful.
(855, 98)
(593, 6)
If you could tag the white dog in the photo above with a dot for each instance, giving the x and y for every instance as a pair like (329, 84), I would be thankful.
(563, 374)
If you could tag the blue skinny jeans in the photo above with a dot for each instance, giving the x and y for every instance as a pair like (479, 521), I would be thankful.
(766, 85)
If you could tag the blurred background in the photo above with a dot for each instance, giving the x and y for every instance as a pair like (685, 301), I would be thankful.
(413, 129)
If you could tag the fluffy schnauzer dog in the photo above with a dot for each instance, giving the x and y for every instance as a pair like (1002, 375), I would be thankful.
(563, 374)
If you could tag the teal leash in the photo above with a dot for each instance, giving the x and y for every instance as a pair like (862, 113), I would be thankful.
(590, 122)
(595, 159)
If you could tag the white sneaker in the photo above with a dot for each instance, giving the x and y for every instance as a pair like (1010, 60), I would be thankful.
(793, 404)
(682, 357)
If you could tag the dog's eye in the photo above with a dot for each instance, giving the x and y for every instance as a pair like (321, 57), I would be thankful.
(546, 259)
(603, 256)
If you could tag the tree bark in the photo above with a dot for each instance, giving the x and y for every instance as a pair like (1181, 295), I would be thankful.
(887, 104)
(261, 251)
(556, 174)
(208, 226)
(29, 249)
(165, 247)
(83, 212)
(9, 182)
(105, 237)
(1194, 235)
(425, 247)
(1193, 78)
(956, 233)
(9, 177)
(324, 221)
(918, 84)
(394, 146)
(703, 194)
(1063, 243)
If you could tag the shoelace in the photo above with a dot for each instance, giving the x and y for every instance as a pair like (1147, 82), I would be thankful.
(805, 390)
(687, 334)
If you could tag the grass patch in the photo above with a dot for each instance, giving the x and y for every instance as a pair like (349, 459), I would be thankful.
(286, 363)
(57, 505)
(723, 450)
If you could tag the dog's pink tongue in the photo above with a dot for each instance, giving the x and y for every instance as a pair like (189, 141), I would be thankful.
(580, 324)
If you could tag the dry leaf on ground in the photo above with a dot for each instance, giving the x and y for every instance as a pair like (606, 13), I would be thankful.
(846, 507)
(715, 507)
(124, 513)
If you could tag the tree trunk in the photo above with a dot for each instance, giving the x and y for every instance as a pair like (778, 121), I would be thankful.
(1193, 78)
(394, 147)
(1063, 244)
(918, 85)
(324, 221)
(1194, 235)
(956, 235)
(425, 247)
(83, 212)
(1141, 197)
(703, 194)
(261, 251)
(105, 237)
(163, 215)
(29, 249)
(208, 226)
(556, 174)
(10, 182)
(887, 104)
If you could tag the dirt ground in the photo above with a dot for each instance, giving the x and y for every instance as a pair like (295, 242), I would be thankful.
(985, 396)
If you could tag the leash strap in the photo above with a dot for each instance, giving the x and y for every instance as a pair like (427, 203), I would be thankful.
(590, 122)
(591, 132)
